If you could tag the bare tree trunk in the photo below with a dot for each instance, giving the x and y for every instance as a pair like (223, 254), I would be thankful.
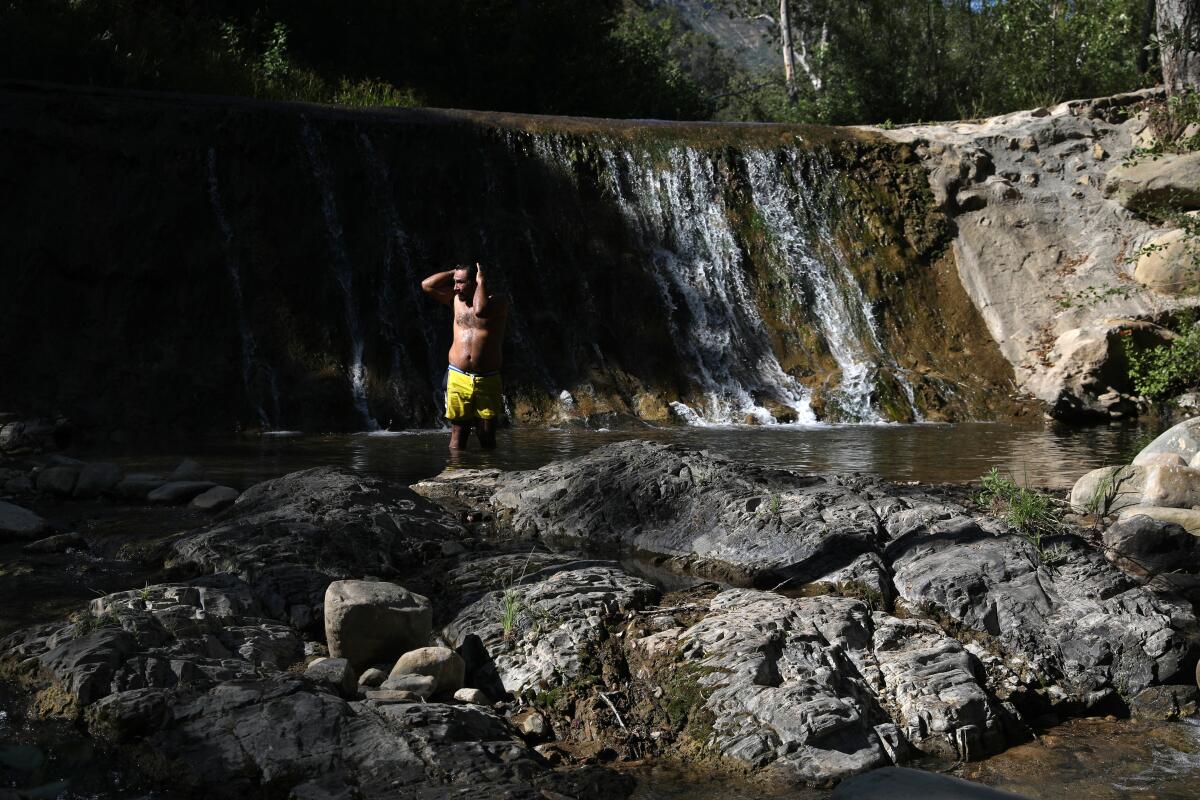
(1179, 44)
(789, 68)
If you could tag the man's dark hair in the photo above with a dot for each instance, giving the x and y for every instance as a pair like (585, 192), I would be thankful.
(470, 268)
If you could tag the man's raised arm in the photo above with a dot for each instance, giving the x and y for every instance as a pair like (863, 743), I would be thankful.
(441, 286)
(484, 304)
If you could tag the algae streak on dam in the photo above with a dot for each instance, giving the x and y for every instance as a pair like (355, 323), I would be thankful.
(197, 264)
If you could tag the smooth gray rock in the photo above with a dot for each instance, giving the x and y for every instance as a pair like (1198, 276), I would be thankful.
(137, 486)
(474, 696)
(1171, 180)
(392, 696)
(445, 666)
(1186, 518)
(901, 783)
(215, 499)
(555, 613)
(372, 677)
(19, 523)
(1171, 486)
(57, 480)
(1154, 552)
(715, 517)
(423, 686)
(336, 673)
(97, 479)
(57, 544)
(373, 622)
(1182, 439)
(178, 492)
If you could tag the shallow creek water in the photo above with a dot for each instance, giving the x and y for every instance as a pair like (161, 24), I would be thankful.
(1048, 455)
(1084, 758)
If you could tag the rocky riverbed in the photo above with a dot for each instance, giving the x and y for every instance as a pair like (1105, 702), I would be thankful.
(489, 633)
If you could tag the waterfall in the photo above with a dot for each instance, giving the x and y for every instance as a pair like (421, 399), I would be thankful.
(679, 214)
(397, 249)
(342, 269)
(675, 203)
(235, 280)
(793, 217)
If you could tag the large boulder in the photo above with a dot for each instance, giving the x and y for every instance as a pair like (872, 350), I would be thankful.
(373, 622)
(1171, 486)
(201, 633)
(239, 738)
(1154, 551)
(725, 520)
(1171, 180)
(1170, 264)
(20, 523)
(1183, 439)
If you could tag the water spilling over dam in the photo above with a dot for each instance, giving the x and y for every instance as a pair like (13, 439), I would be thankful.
(267, 275)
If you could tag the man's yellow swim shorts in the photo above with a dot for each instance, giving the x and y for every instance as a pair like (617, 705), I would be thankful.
(470, 396)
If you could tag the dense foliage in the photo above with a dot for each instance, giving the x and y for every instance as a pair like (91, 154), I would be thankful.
(874, 60)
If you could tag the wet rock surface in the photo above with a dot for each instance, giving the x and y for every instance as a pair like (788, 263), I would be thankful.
(717, 517)
(889, 623)
(291, 537)
(989, 630)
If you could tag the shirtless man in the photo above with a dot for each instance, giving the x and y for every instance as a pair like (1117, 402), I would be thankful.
(473, 389)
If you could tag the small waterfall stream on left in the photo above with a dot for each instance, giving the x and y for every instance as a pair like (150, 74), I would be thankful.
(342, 268)
(249, 347)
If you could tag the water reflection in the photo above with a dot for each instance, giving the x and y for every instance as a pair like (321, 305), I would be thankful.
(1051, 455)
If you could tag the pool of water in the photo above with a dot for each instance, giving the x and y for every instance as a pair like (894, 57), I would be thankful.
(1046, 455)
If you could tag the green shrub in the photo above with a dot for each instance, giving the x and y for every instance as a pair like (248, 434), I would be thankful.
(1166, 369)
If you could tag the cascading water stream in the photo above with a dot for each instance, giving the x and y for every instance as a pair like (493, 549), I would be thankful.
(342, 269)
(679, 214)
(397, 249)
(792, 218)
(235, 280)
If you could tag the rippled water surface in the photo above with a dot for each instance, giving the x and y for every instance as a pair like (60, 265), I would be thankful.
(1043, 455)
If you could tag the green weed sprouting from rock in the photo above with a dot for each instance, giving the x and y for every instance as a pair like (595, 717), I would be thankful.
(510, 611)
(1105, 491)
(1032, 513)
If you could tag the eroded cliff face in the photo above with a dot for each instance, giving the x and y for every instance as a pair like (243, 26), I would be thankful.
(193, 264)
(1044, 251)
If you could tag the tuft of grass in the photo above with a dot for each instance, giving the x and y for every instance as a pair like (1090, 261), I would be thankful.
(511, 607)
(1032, 513)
